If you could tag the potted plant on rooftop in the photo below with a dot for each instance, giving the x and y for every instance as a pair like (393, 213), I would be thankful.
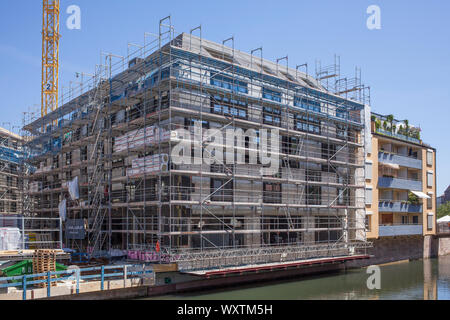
(407, 127)
(390, 120)
(377, 124)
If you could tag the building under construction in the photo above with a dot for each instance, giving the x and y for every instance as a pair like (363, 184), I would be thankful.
(10, 174)
(104, 159)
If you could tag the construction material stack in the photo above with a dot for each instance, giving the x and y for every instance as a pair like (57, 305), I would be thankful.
(44, 261)
(149, 165)
(139, 138)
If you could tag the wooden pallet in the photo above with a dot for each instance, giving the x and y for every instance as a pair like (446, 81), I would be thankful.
(44, 261)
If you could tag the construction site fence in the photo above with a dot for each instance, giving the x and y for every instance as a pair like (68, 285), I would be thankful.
(33, 233)
(75, 275)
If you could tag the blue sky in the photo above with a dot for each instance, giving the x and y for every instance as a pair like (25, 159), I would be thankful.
(406, 63)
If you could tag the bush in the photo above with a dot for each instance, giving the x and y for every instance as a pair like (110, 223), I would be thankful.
(413, 199)
(444, 210)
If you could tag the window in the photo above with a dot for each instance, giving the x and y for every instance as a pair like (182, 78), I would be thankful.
(84, 153)
(343, 197)
(314, 176)
(430, 179)
(313, 195)
(272, 193)
(415, 220)
(430, 222)
(405, 220)
(223, 190)
(307, 104)
(412, 153)
(191, 123)
(342, 132)
(430, 201)
(13, 168)
(342, 113)
(328, 151)
(272, 116)
(229, 107)
(229, 84)
(153, 78)
(306, 124)
(56, 162)
(328, 223)
(429, 158)
(68, 158)
(369, 166)
(368, 223)
(369, 193)
(271, 95)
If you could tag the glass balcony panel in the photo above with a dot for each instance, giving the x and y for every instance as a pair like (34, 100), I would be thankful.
(403, 161)
(399, 206)
(396, 183)
(400, 230)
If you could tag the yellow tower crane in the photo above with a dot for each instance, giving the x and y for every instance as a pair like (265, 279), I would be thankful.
(50, 56)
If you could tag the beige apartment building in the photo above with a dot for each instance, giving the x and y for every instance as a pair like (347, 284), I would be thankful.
(400, 181)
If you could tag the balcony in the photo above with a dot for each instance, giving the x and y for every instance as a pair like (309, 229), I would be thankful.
(398, 206)
(403, 161)
(403, 184)
(400, 230)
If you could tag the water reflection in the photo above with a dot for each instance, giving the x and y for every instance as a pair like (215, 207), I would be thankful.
(416, 280)
(443, 281)
(430, 276)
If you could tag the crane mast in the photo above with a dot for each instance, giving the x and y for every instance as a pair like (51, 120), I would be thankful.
(50, 56)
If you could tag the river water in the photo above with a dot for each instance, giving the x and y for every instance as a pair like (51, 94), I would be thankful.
(415, 280)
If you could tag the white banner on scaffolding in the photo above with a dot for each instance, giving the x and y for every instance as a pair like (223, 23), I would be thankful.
(63, 209)
(73, 189)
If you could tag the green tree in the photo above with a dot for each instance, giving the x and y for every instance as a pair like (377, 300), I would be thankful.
(443, 210)
(390, 120)
(378, 124)
(413, 199)
(407, 127)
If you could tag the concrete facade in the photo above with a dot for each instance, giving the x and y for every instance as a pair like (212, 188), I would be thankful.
(444, 246)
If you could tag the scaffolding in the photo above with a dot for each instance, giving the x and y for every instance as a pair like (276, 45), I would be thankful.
(10, 171)
(116, 135)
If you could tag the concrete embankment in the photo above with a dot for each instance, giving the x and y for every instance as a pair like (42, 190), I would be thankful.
(394, 249)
